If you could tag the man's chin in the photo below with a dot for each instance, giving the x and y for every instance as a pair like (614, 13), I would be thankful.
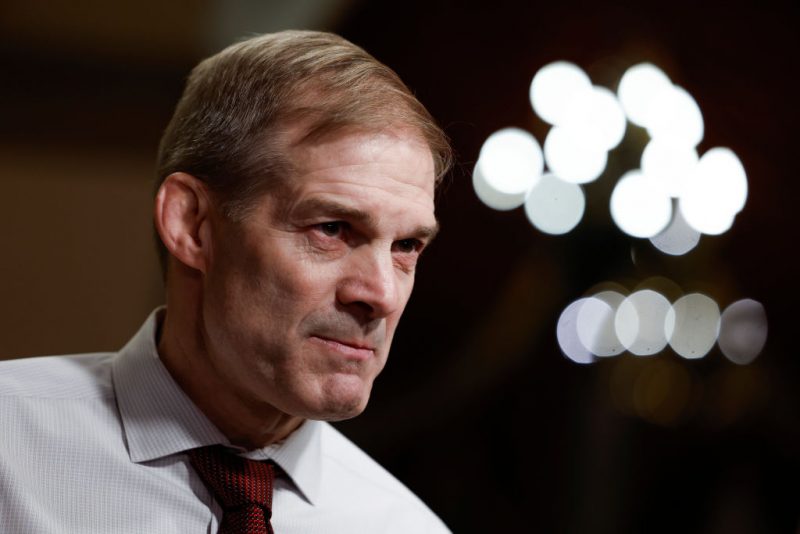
(341, 407)
(340, 411)
(336, 399)
(340, 416)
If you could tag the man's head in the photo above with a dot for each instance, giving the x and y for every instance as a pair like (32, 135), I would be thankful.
(227, 127)
(297, 182)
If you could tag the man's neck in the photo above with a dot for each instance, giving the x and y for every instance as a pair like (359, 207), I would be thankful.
(245, 423)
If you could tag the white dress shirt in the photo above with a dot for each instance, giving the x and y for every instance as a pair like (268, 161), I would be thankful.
(94, 443)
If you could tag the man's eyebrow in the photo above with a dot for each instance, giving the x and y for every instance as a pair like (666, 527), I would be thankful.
(427, 232)
(334, 209)
(338, 210)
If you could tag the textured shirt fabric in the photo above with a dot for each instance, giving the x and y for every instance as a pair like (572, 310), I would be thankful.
(95, 443)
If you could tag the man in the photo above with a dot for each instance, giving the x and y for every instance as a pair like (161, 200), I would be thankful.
(295, 195)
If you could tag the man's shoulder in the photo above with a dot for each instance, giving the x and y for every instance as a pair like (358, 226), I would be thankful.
(370, 477)
(73, 376)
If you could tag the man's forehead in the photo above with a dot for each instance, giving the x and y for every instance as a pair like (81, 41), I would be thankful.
(302, 135)
(348, 171)
(353, 147)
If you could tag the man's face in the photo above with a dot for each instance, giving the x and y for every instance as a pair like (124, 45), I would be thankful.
(302, 298)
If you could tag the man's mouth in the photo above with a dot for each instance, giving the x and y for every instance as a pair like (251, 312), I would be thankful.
(351, 348)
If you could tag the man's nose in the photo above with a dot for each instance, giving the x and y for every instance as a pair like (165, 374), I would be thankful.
(370, 286)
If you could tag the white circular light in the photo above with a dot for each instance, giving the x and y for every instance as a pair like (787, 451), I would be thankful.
(573, 155)
(670, 163)
(723, 169)
(637, 88)
(567, 334)
(598, 112)
(639, 322)
(554, 206)
(553, 88)
(509, 165)
(743, 331)
(675, 114)
(692, 325)
(715, 193)
(492, 197)
(639, 207)
(595, 324)
(703, 214)
(678, 238)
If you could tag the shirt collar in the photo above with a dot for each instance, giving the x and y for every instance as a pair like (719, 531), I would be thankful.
(300, 456)
(159, 419)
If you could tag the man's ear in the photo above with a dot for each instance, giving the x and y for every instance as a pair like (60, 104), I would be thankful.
(182, 208)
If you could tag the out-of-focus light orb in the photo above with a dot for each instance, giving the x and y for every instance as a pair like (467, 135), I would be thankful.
(670, 163)
(674, 114)
(492, 197)
(639, 207)
(553, 88)
(637, 88)
(573, 155)
(692, 325)
(639, 322)
(678, 238)
(598, 112)
(715, 193)
(595, 324)
(743, 331)
(567, 334)
(663, 285)
(703, 213)
(509, 165)
(724, 171)
(554, 206)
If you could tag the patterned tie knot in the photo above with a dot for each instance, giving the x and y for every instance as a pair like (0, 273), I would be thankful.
(241, 486)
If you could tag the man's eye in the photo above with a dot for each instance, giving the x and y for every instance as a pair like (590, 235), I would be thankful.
(407, 245)
(332, 229)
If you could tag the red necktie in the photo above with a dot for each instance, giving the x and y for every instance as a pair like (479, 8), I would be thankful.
(242, 487)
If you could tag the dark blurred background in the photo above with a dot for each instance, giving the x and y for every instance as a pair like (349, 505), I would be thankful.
(478, 411)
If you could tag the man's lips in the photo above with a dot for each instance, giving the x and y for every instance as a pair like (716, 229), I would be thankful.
(354, 348)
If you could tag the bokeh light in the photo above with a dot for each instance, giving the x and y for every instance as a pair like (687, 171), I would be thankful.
(716, 192)
(639, 322)
(493, 198)
(595, 323)
(567, 334)
(670, 163)
(677, 238)
(637, 89)
(725, 171)
(509, 165)
(554, 206)
(573, 155)
(661, 284)
(638, 207)
(692, 325)
(674, 114)
(703, 213)
(743, 331)
(598, 113)
(588, 121)
(607, 323)
(554, 87)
